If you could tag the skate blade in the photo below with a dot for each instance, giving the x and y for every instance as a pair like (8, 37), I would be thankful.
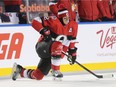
(57, 78)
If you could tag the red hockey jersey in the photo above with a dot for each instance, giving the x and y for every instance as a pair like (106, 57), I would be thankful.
(12, 2)
(55, 26)
(71, 29)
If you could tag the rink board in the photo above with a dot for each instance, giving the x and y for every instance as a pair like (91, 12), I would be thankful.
(70, 68)
(96, 47)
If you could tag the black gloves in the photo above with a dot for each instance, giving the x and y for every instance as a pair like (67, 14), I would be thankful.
(47, 38)
(71, 59)
(72, 53)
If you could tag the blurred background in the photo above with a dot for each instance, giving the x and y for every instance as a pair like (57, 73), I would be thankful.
(23, 11)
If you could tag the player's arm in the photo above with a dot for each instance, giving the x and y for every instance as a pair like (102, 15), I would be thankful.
(55, 6)
(37, 25)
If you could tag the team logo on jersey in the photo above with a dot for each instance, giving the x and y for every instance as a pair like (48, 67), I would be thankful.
(70, 30)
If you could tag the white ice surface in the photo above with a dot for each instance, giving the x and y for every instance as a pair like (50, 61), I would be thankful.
(84, 80)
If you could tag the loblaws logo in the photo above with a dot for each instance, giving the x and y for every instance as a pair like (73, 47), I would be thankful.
(107, 39)
(10, 45)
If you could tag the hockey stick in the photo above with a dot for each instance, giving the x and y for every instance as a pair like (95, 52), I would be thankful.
(98, 76)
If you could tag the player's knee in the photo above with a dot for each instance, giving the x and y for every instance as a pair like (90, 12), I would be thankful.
(56, 48)
(37, 74)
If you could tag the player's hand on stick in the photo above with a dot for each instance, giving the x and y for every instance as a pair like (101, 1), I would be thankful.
(71, 59)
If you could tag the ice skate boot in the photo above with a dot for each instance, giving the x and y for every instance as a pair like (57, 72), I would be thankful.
(57, 75)
(16, 71)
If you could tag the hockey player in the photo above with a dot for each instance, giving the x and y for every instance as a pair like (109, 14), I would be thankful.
(57, 35)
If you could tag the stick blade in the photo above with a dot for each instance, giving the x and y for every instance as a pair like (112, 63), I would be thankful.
(108, 76)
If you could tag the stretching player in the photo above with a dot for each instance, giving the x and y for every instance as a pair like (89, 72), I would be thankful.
(57, 35)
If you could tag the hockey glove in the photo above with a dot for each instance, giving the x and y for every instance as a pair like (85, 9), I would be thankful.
(47, 38)
(46, 33)
(72, 57)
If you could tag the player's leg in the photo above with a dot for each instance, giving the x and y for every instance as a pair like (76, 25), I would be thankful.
(56, 51)
(42, 69)
(44, 66)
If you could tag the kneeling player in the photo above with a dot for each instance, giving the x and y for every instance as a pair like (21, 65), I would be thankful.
(49, 47)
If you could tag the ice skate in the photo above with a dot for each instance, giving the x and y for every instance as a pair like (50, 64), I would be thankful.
(57, 75)
(16, 71)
